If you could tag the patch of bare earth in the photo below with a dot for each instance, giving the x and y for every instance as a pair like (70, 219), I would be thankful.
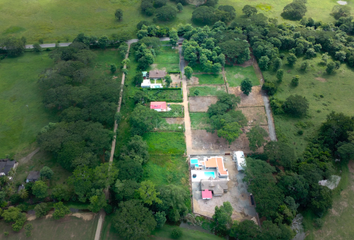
(255, 115)
(193, 81)
(253, 99)
(84, 216)
(174, 120)
(201, 104)
(320, 79)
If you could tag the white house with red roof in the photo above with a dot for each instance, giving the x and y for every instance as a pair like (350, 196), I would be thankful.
(159, 106)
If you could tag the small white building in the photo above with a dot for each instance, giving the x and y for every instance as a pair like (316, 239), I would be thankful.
(147, 84)
(239, 158)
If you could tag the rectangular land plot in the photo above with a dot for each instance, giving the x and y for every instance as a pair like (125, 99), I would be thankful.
(235, 75)
(174, 95)
(254, 99)
(201, 104)
(199, 120)
(210, 79)
(175, 112)
(165, 143)
(206, 91)
(167, 59)
(255, 115)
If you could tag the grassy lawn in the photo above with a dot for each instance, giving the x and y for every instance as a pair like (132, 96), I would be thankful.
(165, 95)
(22, 114)
(167, 59)
(235, 75)
(205, 91)
(66, 228)
(168, 143)
(103, 61)
(210, 79)
(199, 121)
(175, 112)
(336, 92)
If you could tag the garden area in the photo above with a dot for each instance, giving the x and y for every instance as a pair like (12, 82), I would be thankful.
(199, 121)
(175, 112)
(167, 95)
(235, 75)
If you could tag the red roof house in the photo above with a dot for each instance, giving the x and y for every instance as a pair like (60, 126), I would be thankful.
(159, 106)
(206, 194)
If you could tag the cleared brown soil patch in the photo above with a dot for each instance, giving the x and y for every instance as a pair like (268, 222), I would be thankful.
(321, 79)
(255, 115)
(174, 120)
(193, 81)
(253, 99)
(201, 104)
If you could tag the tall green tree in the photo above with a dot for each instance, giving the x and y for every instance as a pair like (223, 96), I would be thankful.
(60, 210)
(46, 172)
(188, 71)
(97, 202)
(119, 14)
(230, 132)
(222, 219)
(246, 86)
(249, 10)
(134, 221)
(256, 137)
(39, 189)
(148, 193)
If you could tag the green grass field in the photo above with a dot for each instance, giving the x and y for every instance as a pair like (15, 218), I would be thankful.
(210, 79)
(174, 95)
(175, 112)
(165, 143)
(336, 91)
(66, 228)
(199, 121)
(22, 114)
(205, 91)
(167, 59)
(235, 75)
(64, 19)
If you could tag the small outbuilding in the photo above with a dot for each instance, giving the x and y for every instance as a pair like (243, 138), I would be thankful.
(157, 74)
(6, 165)
(206, 194)
(33, 176)
(239, 158)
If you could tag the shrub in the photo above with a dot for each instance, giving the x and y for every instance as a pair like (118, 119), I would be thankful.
(295, 81)
(176, 233)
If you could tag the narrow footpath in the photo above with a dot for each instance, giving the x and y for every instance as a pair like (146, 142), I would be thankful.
(113, 147)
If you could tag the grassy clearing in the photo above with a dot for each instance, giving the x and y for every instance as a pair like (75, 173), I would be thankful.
(199, 121)
(22, 113)
(66, 228)
(103, 61)
(235, 75)
(64, 19)
(165, 143)
(210, 79)
(167, 59)
(336, 90)
(37, 162)
(175, 112)
(165, 95)
(205, 91)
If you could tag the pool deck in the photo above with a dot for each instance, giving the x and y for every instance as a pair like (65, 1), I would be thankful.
(200, 174)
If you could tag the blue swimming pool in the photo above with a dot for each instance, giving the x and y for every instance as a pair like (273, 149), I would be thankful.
(209, 174)
(194, 161)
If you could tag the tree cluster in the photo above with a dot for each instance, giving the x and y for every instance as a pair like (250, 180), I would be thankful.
(210, 15)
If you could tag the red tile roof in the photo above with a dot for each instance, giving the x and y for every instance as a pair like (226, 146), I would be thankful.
(206, 194)
(158, 105)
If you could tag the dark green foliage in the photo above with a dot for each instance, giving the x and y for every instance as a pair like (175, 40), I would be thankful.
(41, 210)
(222, 219)
(295, 186)
(245, 230)
(173, 202)
(61, 192)
(14, 46)
(295, 81)
(138, 79)
(60, 210)
(183, 2)
(142, 23)
(180, 7)
(130, 169)
(256, 137)
(291, 59)
(46, 172)
(203, 15)
(277, 64)
(13, 214)
(39, 189)
(321, 198)
(280, 74)
(249, 10)
(230, 131)
(295, 10)
(134, 221)
(296, 105)
(97, 201)
(125, 189)
(166, 13)
(28, 227)
(236, 50)
(143, 120)
(176, 233)
(37, 48)
(136, 148)
(263, 63)
(119, 14)
(270, 87)
(280, 153)
(188, 71)
(160, 218)
(113, 68)
(339, 11)
(246, 86)
(304, 65)
(159, 3)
